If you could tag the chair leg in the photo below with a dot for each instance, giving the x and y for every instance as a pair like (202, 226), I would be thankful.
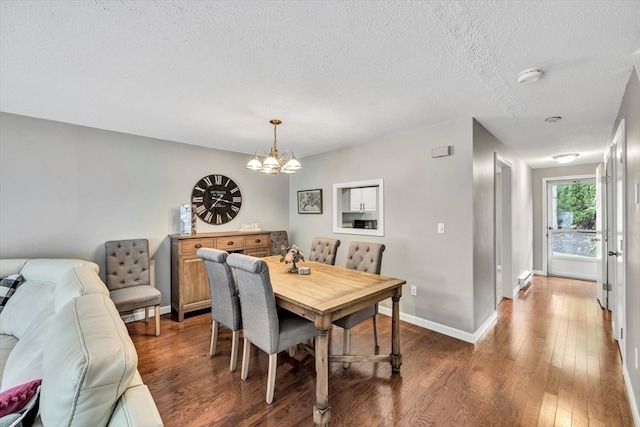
(246, 350)
(214, 338)
(156, 313)
(292, 350)
(234, 350)
(375, 330)
(346, 345)
(146, 314)
(271, 379)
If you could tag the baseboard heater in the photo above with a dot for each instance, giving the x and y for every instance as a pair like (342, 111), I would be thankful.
(524, 279)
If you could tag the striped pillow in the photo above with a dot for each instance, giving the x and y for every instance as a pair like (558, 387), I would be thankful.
(8, 286)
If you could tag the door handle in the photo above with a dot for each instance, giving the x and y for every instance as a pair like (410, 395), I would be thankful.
(614, 253)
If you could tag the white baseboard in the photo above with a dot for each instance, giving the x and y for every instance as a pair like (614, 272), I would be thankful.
(139, 314)
(630, 395)
(515, 292)
(442, 329)
(539, 272)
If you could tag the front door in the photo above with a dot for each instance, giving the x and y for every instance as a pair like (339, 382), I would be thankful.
(571, 221)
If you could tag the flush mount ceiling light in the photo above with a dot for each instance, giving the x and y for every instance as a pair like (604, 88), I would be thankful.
(273, 163)
(554, 119)
(530, 75)
(566, 158)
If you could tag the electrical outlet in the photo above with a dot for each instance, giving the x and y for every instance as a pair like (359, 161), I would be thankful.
(414, 292)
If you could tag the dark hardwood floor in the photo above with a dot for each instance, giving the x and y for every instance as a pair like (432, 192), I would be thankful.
(550, 359)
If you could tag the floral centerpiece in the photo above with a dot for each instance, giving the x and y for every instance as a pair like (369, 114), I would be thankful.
(291, 254)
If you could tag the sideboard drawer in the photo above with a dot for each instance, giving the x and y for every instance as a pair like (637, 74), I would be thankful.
(229, 243)
(257, 240)
(191, 246)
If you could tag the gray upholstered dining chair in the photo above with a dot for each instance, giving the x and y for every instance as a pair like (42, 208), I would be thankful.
(278, 240)
(362, 256)
(266, 327)
(225, 302)
(129, 279)
(324, 250)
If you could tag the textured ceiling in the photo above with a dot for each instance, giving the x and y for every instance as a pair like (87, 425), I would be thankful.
(335, 73)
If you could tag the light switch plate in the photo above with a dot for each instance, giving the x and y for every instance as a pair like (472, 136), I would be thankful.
(441, 228)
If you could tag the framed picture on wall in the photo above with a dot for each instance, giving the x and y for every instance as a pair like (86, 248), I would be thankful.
(310, 201)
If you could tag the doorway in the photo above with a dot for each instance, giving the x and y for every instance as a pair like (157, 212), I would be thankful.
(502, 190)
(571, 228)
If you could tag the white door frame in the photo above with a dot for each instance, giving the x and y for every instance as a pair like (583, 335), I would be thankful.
(507, 282)
(601, 236)
(545, 214)
(617, 242)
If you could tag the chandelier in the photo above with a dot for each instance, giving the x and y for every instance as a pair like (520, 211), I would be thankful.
(273, 163)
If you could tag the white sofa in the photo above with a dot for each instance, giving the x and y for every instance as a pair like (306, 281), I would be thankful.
(61, 326)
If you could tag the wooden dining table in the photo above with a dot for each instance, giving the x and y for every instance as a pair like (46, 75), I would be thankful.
(329, 293)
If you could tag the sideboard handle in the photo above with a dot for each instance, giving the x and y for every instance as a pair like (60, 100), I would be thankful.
(257, 240)
(230, 242)
(198, 246)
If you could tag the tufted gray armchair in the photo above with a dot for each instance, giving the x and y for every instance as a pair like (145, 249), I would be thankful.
(225, 302)
(128, 277)
(362, 256)
(324, 250)
(279, 239)
(266, 327)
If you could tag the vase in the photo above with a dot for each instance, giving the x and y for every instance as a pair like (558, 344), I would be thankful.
(294, 268)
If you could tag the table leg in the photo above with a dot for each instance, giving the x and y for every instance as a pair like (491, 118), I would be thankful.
(396, 356)
(321, 410)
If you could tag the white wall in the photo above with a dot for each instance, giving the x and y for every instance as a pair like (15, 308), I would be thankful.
(630, 111)
(420, 192)
(485, 146)
(539, 194)
(66, 189)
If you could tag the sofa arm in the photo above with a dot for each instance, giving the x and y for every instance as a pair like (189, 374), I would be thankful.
(136, 408)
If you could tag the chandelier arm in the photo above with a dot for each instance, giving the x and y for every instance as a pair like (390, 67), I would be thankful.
(257, 152)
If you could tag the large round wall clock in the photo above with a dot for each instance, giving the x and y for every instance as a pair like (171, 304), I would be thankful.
(216, 199)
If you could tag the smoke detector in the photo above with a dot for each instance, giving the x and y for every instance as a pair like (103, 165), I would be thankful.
(530, 75)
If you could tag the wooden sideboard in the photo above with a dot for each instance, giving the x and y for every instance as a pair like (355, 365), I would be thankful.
(189, 282)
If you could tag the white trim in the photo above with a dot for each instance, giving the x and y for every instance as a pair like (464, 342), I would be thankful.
(630, 395)
(445, 330)
(139, 314)
(515, 292)
(540, 272)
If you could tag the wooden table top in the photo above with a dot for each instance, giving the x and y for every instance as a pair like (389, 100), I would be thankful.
(328, 289)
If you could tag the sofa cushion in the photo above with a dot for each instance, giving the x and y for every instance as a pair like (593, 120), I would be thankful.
(24, 363)
(88, 365)
(7, 344)
(24, 306)
(8, 286)
(52, 270)
(76, 282)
